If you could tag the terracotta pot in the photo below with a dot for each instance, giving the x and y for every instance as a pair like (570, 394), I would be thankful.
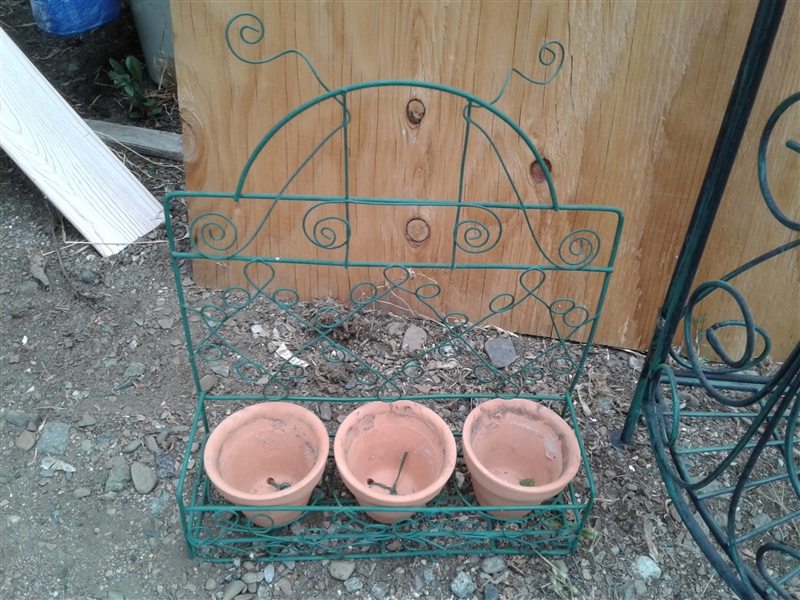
(369, 448)
(508, 443)
(256, 449)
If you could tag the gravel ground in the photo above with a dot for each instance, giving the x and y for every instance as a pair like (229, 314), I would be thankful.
(99, 519)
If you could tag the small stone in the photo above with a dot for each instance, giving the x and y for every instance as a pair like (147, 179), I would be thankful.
(325, 411)
(428, 575)
(351, 384)
(418, 585)
(25, 441)
(54, 439)
(647, 568)
(395, 328)
(19, 418)
(120, 475)
(501, 352)
(285, 586)
(165, 466)
(640, 587)
(493, 564)
(379, 590)
(760, 520)
(414, 338)
(353, 584)
(341, 569)
(87, 421)
(151, 444)
(269, 573)
(233, 589)
(394, 545)
(132, 446)
(207, 382)
(144, 478)
(88, 277)
(108, 496)
(253, 577)
(221, 370)
(490, 592)
(628, 591)
(134, 370)
(604, 404)
(211, 584)
(166, 323)
(462, 585)
(81, 493)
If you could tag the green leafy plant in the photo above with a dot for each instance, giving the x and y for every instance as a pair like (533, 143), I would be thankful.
(128, 80)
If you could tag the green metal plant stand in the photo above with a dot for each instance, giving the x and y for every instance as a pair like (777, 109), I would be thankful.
(725, 434)
(333, 336)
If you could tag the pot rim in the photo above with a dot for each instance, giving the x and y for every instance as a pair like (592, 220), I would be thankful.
(407, 500)
(569, 470)
(262, 410)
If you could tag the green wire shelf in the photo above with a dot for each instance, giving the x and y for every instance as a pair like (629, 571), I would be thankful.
(328, 335)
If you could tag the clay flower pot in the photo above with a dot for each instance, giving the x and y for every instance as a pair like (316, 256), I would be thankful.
(518, 453)
(255, 452)
(377, 438)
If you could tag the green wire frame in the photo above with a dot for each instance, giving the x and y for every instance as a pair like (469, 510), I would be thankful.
(332, 525)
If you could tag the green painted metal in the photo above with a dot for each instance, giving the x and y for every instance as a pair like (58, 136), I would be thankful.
(332, 525)
(739, 495)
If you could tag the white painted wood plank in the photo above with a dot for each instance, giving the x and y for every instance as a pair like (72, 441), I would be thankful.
(67, 161)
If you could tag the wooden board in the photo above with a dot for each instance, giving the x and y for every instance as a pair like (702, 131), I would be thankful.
(67, 161)
(630, 122)
(162, 144)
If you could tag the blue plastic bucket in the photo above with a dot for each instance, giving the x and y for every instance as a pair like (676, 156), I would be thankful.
(68, 17)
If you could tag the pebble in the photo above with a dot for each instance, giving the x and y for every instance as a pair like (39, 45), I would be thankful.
(647, 568)
(144, 478)
(414, 338)
(353, 584)
(222, 370)
(493, 564)
(379, 590)
(134, 370)
(428, 575)
(19, 418)
(207, 382)
(640, 587)
(165, 467)
(325, 411)
(604, 404)
(81, 493)
(252, 577)
(395, 328)
(501, 352)
(158, 504)
(462, 585)
(120, 475)
(233, 589)
(211, 584)
(54, 439)
(25, 441)
(341, 569)
(166, 323)
(151, 444)
(269, 573)
(87, 421)
(285, 586)
(132, 446)
(490, 592)
(88, 277)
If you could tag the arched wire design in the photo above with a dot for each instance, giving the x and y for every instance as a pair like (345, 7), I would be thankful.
(332, 525)
(738, 493)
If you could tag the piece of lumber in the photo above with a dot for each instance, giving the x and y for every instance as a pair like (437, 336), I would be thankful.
(67, 161)
(162, 144)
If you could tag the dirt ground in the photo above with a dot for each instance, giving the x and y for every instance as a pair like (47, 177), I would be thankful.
(63, 359)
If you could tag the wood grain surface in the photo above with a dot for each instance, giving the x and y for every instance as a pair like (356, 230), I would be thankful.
(67, 161)
(630, 122)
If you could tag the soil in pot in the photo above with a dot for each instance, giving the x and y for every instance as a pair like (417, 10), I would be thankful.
(397, 454)
(268, 454)
(519, 453)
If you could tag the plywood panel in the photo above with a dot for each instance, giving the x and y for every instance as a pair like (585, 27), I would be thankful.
(629, 122)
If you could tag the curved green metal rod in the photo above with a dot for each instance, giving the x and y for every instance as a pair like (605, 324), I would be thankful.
(544, 59)
(259, 32)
